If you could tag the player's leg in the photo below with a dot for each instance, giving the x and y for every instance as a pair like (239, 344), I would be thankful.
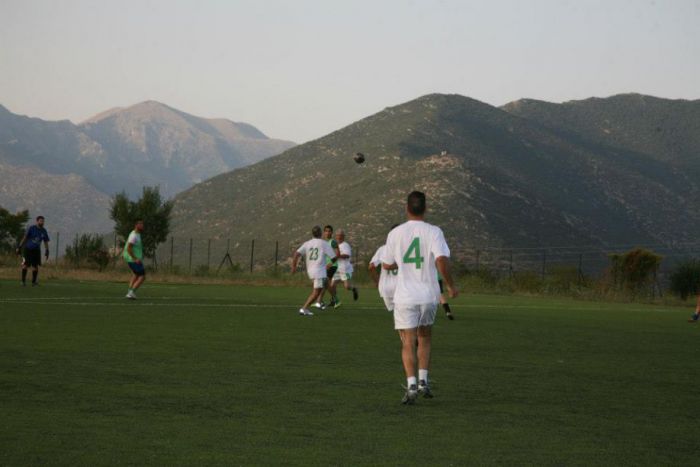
(694, 318)
(424, 334)
(317, 290)
(350, 286)
(406, 321)
(25, 266)
(35, 275)
(424, 348)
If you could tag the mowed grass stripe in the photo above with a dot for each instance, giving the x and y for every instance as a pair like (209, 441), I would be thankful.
(517, 380)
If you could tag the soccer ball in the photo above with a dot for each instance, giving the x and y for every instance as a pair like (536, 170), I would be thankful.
(359, 157)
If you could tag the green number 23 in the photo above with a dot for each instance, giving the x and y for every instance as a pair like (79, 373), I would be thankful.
(313, 254)
(413, 254)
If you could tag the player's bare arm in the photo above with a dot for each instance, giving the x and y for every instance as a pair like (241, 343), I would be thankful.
(295, 261)
(443, 265)
(390, 267)
(374, 274)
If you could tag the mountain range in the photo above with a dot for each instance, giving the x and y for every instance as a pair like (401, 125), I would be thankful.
(69, 172)
(617, 170)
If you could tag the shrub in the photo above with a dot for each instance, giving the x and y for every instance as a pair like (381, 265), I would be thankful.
(685, 278)
(635, 270)
(88, 247)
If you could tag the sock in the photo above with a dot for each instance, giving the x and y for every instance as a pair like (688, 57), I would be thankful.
(24, 275)
(446, 306)
(34, 276)
(423, 375)
(411, 380)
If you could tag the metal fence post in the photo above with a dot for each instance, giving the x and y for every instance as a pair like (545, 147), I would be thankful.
(511, 264)
(190, 265)
(544, 263)
(58, 240)
(252, 254)
(208, 252)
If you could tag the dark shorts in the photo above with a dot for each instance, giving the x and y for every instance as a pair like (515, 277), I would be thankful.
(137, 268)
(31, 257)
(330, 272)
(440, 284)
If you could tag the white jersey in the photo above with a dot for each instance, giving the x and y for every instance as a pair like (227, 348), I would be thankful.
(414, 246)
(344, 264)
(387, 278)
(315, 251)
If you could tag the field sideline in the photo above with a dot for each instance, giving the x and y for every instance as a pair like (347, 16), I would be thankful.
(231, 375)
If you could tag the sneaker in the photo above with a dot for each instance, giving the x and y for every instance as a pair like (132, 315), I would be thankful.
(131, 295)
(449, 315)
(411, 394)
(424, 389)
(355, 295)
(337, 304)
(305, 312)
(320, 305)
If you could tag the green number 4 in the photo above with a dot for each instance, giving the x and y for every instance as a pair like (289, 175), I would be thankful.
(413, 254)
(313, 254)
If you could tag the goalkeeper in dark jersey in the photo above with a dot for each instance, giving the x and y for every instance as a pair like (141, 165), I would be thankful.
(331, 266)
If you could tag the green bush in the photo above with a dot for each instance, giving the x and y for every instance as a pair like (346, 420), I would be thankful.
(90, 248)
(635, 270)
(685, 278)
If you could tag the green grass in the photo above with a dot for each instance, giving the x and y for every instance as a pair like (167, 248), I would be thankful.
(232, 376)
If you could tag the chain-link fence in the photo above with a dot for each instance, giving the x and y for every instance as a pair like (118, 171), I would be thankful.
(211, 255)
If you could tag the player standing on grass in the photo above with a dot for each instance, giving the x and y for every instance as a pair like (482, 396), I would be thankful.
(419, 251)
(332, 267)
(695, 316)
(385, 280)
(344, 272)
(316, 251)
(133, 254)
(30, 249)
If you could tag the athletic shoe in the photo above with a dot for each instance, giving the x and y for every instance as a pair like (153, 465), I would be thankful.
(131, 295)
(693, 318)
(320, 305)
(305, 312)
(449, 315)
(424, 389)
(355, 295)
(411, 394)
(337, 304)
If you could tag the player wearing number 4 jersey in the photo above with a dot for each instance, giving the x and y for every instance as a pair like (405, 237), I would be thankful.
(419, 251)
(316, 251)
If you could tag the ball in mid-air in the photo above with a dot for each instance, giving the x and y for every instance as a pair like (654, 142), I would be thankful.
(359, 157)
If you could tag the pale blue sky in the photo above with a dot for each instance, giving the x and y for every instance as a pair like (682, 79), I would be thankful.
(301, 69)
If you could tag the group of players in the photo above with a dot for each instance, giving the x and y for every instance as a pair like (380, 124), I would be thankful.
(414, 256)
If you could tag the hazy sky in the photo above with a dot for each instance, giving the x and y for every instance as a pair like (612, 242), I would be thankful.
(301, 69)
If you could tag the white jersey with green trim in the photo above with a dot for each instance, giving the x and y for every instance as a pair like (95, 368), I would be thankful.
(345, 264)
(414, 246)
(316, 251)
(387, 277)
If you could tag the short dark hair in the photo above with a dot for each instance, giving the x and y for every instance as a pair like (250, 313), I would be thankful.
(416, 203)
(328, 227)
(316, 231)
(39, 217)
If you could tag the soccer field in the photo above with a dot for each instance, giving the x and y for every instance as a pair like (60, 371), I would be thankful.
(231, 375)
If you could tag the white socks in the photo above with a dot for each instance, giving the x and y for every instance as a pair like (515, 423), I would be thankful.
(423, 375)
(411, 380)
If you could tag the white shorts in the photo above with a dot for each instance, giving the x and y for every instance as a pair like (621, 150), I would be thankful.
(342, 276)
(389, 303)
(413, 316)
(320, 283)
